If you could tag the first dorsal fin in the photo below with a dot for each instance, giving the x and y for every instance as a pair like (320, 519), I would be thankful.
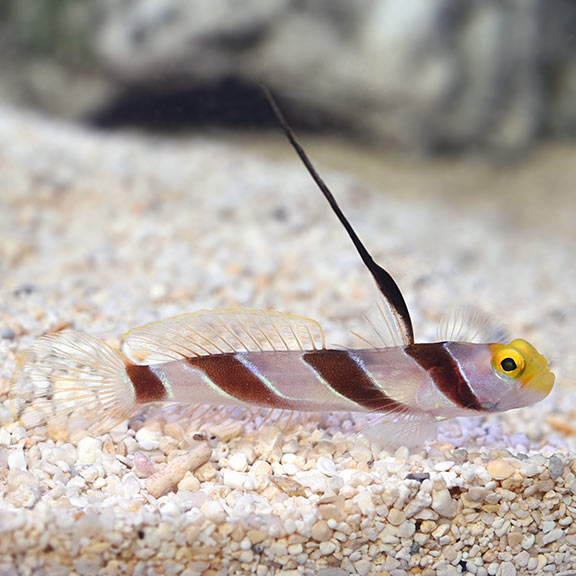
(222, 331)
(377, 328)
(386, 284)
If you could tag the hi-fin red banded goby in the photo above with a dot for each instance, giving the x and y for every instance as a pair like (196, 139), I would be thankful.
(254, 360)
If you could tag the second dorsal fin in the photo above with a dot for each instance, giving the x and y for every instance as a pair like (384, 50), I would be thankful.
(468, 324)
(222, 331)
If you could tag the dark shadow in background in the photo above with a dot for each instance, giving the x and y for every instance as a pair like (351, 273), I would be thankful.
(229, 104)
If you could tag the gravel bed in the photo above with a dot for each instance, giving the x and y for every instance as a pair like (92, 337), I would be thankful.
(103, 233)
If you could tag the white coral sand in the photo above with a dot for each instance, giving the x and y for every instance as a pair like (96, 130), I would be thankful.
(104, 233)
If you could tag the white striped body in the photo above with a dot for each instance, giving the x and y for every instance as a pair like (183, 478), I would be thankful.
(270, 379)
(268, 360)
(446, 380)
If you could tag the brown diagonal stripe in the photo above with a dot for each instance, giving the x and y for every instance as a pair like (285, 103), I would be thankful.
(147, 386)
(237, 380)
(445, 373)
(344, 375)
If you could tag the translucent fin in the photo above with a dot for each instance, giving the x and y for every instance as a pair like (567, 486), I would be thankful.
(386, 284)
(379, 329)
(221, 331)
(468, 324)
(225, 421)
(69, 385)
(412, 431)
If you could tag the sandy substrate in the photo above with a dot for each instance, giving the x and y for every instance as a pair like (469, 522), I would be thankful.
(105, 233)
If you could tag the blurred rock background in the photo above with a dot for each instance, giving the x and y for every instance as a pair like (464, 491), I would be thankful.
(449, 75)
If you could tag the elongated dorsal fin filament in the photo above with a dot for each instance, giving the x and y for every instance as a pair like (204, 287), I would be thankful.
(385, 282)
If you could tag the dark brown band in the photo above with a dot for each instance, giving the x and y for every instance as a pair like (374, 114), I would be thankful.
(445, 373)
(237, 380)
(344, 375)
(147, 386)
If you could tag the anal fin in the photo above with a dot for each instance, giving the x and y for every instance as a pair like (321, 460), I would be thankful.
(224, 422)
(412, 431)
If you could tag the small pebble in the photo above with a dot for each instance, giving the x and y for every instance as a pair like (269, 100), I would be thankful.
(5, 437)
(89, 450)
(327, 548)
(269, 438)
(396, 517)
(17, 459)
(428, 526)
(508, 569)
(556, 467)
(418, 476)
(321, 531)
(364, 567)
(5, 415)
(8, 334)
(189, 483)
(238, 462)
(552, 536)
(24, 496)
(442, 503)
(529, 469)
(233, 479)
(171, 508)
(148, 439)
(326, 466)
(365, 502)
(527, 541)
(500, 469)
(406, 529)
(261, 467)
(129, 488)
(143, 466)
(515, 539)
(361, 452)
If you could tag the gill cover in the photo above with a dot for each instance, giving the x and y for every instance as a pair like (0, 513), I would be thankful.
(521, 362)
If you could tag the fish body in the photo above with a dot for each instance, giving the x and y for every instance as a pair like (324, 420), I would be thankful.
(254, 360)
(442, 380)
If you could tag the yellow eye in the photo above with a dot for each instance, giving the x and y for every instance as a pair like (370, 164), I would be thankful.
(508, 361)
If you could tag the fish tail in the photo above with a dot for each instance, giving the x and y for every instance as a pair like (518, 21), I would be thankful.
(69, 384)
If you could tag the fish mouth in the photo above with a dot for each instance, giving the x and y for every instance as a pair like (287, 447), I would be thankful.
(541, 383)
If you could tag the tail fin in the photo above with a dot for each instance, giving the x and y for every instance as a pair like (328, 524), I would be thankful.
(70, 384)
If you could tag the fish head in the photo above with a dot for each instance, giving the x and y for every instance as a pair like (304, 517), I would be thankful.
(524, 374)
(500, 376)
